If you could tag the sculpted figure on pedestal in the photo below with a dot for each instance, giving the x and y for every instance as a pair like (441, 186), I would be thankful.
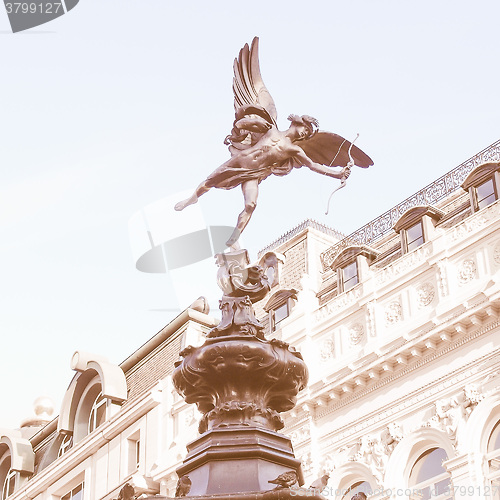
(258, 149)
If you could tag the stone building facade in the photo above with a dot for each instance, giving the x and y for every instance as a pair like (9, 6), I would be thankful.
(399, 324)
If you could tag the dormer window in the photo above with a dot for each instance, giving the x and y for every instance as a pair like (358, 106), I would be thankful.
(95, 394)
(416, 226)
(279, 306)
(485, 194)
(66, 444)
(414, 236)
(97, 413)
(279, 314)
(348, 276)
(483, 185)
(352, 264)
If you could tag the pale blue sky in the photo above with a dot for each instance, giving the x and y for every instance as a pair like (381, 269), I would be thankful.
(123, 102)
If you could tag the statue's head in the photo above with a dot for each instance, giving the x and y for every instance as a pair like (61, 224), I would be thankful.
(308, 123)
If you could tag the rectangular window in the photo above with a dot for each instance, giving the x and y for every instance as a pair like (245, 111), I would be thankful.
(485, 194)
(348, 276)
(75, 494)
(134, 454)
(414, 236)
(279, 314)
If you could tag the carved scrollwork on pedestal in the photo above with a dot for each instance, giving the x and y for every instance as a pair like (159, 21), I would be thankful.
(240, 380)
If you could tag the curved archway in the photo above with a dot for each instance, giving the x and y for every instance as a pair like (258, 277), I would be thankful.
(409, 450)
(17, 461)
(96, 378)
(480, 424)
(351, 478)
(481, 438)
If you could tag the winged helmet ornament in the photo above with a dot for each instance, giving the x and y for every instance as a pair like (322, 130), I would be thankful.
(259, 149)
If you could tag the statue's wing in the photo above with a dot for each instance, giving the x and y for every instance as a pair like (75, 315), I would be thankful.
(332, 150)
(248, 86)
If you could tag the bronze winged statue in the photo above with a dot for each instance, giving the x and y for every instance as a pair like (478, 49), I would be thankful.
(258, 149)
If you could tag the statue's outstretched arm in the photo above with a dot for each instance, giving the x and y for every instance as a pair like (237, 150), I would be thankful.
(302, 158)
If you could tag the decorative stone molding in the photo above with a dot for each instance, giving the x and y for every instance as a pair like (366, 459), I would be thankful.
(371, 452)
(356, 333)
(347, 474)
(480, 424)
(409, 449)
(467, 271)
(307, 463)
(91, 369)
(327, 348)
(451, 414)
(391, 436)
(22, 457)
(473, 223)
(393, 313)
(443, 278)
(300, 435)
(496, 253)
(402, 265)
(425, 294)
(339, 435)
(340, 302)
(372, 325)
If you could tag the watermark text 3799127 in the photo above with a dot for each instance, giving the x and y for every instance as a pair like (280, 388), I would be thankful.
(28, 14)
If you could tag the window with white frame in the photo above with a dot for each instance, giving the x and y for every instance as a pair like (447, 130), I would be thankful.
(417, 226)
(483, 185)
(352, 266)
(348, 276)
(9, 484)
(279, 314)
(97, 413)
(414, 237)
(485, 194)
(91, 412)
(428, 478)
(134, 452)
(279, 306)
(66, 444)
(74, 494)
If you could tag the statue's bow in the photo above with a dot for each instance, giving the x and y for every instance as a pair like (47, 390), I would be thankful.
(346, 172)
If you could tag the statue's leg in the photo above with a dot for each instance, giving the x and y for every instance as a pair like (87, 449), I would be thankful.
(250, 193)
(201, 189)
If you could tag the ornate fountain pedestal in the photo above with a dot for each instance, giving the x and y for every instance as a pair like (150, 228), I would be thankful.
(240, 383)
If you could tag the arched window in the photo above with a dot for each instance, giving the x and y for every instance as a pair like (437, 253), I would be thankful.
(91, 411)
(17, 462)
(96, 393)
(4, 470)
(359, 487)
(493, 456)
(429, 477)
(9, 484)
(97, 413)
(66, 444)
